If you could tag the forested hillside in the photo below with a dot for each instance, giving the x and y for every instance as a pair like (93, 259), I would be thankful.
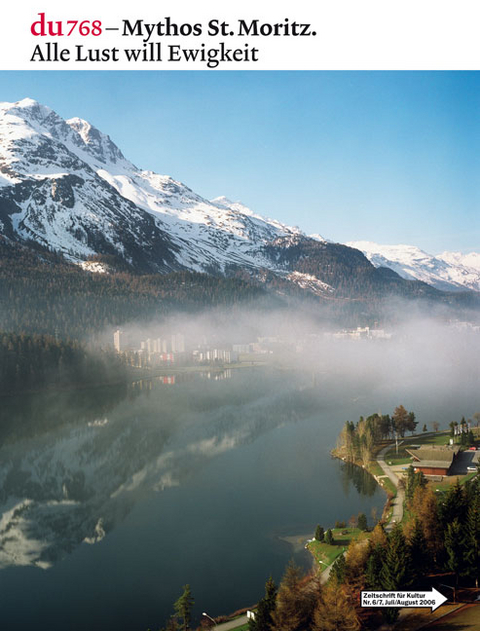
(39, 361)
(345, 269)
(41, 293)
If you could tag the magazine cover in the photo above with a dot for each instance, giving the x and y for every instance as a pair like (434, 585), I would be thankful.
(239, 316)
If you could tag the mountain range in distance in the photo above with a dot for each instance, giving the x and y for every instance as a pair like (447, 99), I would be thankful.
(448, 271)
(66, 186)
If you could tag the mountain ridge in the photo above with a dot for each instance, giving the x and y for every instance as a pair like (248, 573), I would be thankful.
(66, 185)
(448, 271)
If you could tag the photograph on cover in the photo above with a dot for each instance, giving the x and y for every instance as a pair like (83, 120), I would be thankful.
(240, 331)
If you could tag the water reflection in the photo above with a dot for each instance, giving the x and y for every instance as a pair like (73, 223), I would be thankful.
(362, 481)
(73, 465)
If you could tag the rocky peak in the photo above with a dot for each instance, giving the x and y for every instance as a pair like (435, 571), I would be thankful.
(98, 144)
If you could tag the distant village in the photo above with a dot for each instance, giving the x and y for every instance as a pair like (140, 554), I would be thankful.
(176, 349)
(180, 350)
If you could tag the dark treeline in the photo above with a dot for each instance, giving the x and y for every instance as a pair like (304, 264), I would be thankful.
(46, 410)
(353, 276)
(41, 293)
(35, 362)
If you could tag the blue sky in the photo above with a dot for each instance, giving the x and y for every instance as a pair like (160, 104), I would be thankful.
(391, 157)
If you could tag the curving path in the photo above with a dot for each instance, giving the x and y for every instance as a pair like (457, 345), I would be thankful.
(397, 514)
(232, 624)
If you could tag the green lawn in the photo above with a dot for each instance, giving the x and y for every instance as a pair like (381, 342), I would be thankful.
(449, 481)
(440, 438)
(388, 485)
(375, 469)
(391, 457)
(326, 554)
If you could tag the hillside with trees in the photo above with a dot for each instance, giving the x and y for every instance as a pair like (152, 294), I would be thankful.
(356, 442)
(40, 293)
(37, 362)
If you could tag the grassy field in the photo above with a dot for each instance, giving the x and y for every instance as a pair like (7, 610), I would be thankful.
(392, 458)
(447, 482)
(388, 485)
(326, 554)
(375, 469)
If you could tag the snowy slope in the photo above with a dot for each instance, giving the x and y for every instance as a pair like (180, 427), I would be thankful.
(470, 261)
(449, 271)
(50, 192)
(66, 184)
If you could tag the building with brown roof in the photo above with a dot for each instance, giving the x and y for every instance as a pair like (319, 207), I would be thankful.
(434, 460)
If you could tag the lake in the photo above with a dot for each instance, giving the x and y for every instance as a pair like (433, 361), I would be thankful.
(112, 499)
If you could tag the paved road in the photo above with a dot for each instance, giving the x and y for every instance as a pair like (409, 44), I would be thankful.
(397, 504)
(233, 624)
(325, 575)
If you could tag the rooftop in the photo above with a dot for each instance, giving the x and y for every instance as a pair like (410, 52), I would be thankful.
(434, 456)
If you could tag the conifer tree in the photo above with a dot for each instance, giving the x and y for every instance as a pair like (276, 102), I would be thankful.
(183, 607)
(411, 422)
(290, 607)
(453, 506)
(472, 542)
(397, 570)
(397, 573)
(418, 552)
(339, 569)
(266, 606)
(373, 570)
(455, 548)
(319, 533)
(335, 611)
(362, 521)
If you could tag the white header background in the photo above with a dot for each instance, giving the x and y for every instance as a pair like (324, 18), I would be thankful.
(351, 34)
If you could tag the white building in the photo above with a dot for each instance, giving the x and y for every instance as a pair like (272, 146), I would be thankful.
(118, 340)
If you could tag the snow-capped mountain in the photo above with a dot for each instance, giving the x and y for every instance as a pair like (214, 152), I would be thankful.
(65, 184)
(449, 271)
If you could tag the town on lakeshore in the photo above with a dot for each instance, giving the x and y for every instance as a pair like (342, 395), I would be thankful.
(177, 349)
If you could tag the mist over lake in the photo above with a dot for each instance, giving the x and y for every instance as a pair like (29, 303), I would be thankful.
(112, 499)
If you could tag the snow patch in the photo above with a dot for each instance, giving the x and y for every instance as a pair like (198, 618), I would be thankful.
(95, 267)
(310, 282)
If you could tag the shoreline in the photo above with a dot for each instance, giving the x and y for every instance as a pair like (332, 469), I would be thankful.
(129, 379)
(380, 462)
(299, 541)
